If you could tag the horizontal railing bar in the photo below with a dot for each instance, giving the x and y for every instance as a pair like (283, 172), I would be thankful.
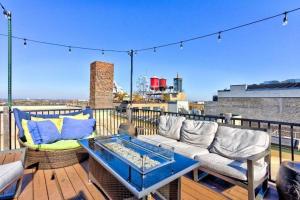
(267, 121)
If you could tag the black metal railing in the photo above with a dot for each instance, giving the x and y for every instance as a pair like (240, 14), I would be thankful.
(285, 136)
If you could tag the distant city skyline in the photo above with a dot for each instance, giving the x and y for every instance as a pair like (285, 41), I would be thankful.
(264, 52)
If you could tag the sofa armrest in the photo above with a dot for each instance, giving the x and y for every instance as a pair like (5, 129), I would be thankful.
(250, 166)
(146, 131)
(258, 156)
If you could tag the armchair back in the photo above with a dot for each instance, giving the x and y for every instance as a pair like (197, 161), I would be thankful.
(20, 115)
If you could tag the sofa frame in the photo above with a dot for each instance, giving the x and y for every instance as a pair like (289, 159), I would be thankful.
(250, 185)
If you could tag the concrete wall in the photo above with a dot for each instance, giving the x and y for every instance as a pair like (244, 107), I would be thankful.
(276, 109)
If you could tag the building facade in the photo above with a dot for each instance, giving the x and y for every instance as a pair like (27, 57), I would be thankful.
(276, 102)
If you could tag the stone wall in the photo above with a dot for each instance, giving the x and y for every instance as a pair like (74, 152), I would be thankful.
(275, 109)
(101, 84)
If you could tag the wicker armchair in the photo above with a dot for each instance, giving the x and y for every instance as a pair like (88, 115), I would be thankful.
(49, 159)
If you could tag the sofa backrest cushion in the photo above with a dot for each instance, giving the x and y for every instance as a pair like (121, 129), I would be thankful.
(169, 126)
(198, 133)
(74, 129)
(19, 115)
(239, 144)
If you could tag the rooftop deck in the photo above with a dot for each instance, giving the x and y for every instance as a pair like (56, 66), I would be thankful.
(72, 183)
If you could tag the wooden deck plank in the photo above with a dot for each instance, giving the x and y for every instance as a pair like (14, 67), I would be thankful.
(236, 193)
(186, 196)
(10, 157)
(94, 191)
(27, 186)
(73, 182)
(17, 156)
(53, 191)
(2, 157)
(199, 191)
(78, 185)
(39, 186)
(67, 189)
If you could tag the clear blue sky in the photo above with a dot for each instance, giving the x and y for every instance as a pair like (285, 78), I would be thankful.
(266, 51)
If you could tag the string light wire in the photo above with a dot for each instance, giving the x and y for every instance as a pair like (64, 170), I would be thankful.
(222, 31)
(154, 48)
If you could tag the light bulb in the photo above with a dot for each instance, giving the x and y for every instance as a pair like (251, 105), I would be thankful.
(219, 37)
(181, 45)
(285, 19)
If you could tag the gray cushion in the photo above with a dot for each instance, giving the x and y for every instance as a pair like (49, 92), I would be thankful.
(10, 172)
(232, 168)
(198, 133)
(156, 139)
(239, 144)
(185, 149)
(169, 126)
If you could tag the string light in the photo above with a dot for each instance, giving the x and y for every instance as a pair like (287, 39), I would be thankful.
(70, 50)
(102, 52)
(284, 22)
(219, 37)
(25, 43)
(135, 52)
(285, 19)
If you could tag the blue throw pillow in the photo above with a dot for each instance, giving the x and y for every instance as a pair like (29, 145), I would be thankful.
(74, 129)
(34, 132)
(48, 132)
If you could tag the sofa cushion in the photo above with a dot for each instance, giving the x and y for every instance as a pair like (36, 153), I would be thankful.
(231, 168)
(59, 145)
(10, 172)
(78, 116)
(198, 133)
(77, 128)
(239, 144)
(169, 126)
(27, 133)
(33, 132)
(185, 149)
(156, 140)
(47, 131)
(56, 121)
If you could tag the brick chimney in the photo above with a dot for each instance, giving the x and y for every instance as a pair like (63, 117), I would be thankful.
(101, 84)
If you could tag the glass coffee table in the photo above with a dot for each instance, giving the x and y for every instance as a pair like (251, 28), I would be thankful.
(125, 167)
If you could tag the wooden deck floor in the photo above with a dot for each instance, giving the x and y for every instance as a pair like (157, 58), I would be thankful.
(73, 181)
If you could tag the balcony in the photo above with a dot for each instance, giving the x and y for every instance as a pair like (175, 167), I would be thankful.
(72, 182)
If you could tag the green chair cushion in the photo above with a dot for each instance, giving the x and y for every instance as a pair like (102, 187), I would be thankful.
(59, 145)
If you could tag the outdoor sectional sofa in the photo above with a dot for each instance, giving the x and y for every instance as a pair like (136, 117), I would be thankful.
(50, 156)
(239, 156)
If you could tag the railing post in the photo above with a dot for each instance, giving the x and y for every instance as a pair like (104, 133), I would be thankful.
(129, 114)
(228, 117)
(6, 128)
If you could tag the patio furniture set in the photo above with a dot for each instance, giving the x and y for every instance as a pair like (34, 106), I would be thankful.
(125, 166)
